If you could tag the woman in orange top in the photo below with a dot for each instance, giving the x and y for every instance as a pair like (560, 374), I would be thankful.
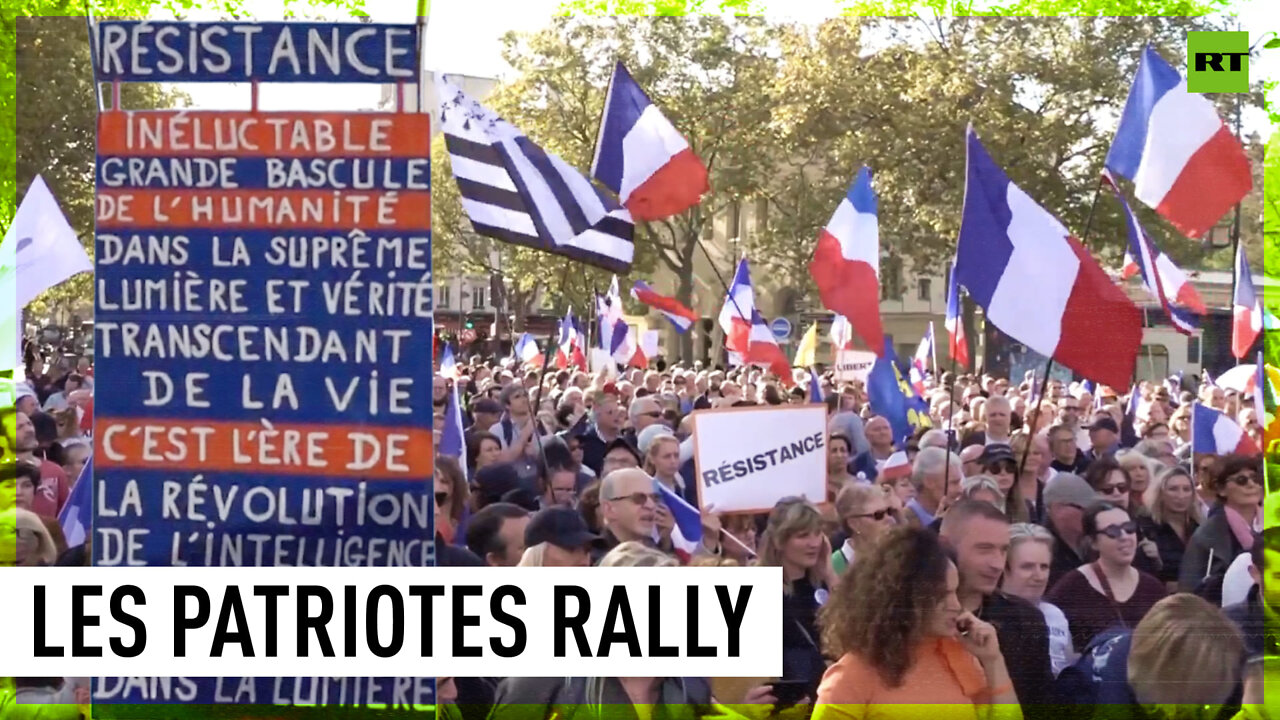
(906, 647)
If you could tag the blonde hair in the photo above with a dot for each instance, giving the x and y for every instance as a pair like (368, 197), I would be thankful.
(1020, 533)
(1153, 498)
(976, 483)
(1187, 638)
(46, 551)
(855, 496)
(533, 556)
(1128, 458)
(789, 518)
(636, 554)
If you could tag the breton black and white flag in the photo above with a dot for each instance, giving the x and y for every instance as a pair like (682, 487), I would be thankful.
(516, 192)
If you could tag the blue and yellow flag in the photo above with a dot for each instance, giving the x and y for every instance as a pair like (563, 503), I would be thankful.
(893, 398)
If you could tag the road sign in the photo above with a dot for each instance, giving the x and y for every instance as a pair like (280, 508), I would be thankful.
(781, 328)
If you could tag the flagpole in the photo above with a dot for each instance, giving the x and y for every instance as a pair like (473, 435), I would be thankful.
(542, 379)
(716, 271)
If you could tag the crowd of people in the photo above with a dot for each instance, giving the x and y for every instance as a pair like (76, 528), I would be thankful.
(1031, 554)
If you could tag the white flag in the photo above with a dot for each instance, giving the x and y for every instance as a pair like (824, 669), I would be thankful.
(40, 249)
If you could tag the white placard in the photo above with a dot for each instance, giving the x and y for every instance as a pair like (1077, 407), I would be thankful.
(853, 365)
(649, 342)
(749, 458)
(485, 622)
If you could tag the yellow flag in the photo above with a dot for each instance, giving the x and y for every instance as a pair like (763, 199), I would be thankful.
(807, 352)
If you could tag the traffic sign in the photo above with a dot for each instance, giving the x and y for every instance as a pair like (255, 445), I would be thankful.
(781, 328)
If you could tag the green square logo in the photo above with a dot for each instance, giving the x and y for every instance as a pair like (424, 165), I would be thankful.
(1217, 62)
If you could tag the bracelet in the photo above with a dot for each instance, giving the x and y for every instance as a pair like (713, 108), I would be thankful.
(1000, 690)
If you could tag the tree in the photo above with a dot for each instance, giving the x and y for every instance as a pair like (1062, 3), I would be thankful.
(896, 95)
(711, 77)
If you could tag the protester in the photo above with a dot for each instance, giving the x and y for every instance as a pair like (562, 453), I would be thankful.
(880, 441)
(1228, 530)
(1110, 590)
(1027, 576)
(865, 515)
(902, 640)
(496, 534)
(793, 541)
(557, 537)
(936, 476)
(1172, 518)
(1254, 615)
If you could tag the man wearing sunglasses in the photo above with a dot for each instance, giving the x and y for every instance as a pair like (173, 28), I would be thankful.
(629, 505)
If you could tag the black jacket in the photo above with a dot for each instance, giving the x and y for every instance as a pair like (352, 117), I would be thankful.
(521, 698)
(1168, 543)
(1065, 558)
(1250, 617)
(1024, 642)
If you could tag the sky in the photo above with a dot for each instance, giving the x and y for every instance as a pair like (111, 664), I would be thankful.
(463, 41)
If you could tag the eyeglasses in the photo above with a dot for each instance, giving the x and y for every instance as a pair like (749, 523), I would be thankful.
(877, 515)
(639, 498)
(1115, 532)
(1244, 479)
(1117, 489)
(442, 499)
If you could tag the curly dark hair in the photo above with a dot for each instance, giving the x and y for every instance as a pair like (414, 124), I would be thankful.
(1099, 470)
(880, 606)
(1229, 465)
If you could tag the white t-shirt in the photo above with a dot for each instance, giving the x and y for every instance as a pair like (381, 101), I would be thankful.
(1061, 652)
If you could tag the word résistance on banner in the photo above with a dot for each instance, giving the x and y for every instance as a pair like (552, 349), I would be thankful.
(748, 459)
(323, 622)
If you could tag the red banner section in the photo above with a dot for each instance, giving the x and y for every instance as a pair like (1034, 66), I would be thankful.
(263, 209)
(355, 451)
(277, 134)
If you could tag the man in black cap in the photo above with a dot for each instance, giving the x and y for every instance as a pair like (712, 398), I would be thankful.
(486, 412)
(1104, 436)
(619, 454)
(563, 536)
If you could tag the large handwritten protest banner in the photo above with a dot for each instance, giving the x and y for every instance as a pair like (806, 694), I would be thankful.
(749, 458)
(263, 331)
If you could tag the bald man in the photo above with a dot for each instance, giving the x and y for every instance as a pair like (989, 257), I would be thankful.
(880, 439)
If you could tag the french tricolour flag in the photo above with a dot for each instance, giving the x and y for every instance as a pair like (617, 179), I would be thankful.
(1182, 159)
(1216, 434)
(1037, 283)
(920, 362)
(527, 351)
(1145, 257)
(642, 157)
(763, 350)
(448, 366)
(1246, 310)
(452, 439)
(569, 351)
(739, 307)
(76, 517)
(815, 388)
(675, 311)
(846, 261)
(955, 324)
(686, 536)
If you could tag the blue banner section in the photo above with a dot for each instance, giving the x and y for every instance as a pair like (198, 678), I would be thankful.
(261, 173)
(145, 51)
(371, 696)
(150, 517)
(308, 327)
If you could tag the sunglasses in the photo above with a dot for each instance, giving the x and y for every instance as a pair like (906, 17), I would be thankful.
(1004, 466)
(442, 499)
(1117, 489)
(877, 515)
(1243, 480)
(639, 498)
(1115, 532)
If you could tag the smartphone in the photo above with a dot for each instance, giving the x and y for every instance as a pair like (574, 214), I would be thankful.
(790, 692)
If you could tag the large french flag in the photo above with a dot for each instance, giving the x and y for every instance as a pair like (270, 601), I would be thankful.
(763, 350)
(955, 324)
(739, 307)
(672, 309)
(1145, 257)
(1037, 283)
(1182, 158)
(846, 261)
(1214, 433)
(642, 157)
(1246, 310)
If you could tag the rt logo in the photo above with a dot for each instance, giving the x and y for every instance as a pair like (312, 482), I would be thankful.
(1217, 62)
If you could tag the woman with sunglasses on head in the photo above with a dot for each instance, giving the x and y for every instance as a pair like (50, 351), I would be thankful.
(1109, 591)
(1229, 529)
(793, 540)
(865, 514)
(1173, 517)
